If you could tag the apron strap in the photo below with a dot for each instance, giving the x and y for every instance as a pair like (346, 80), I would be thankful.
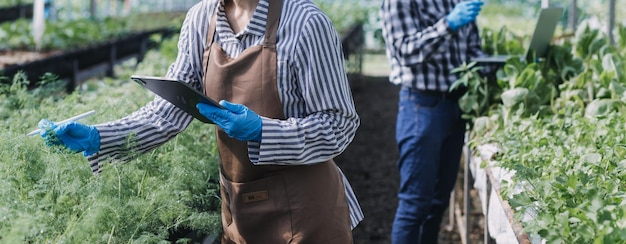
(207, 45)
(273, 19)
(271, 28)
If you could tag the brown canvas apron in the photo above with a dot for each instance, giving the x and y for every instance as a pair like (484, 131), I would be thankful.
(269, 204)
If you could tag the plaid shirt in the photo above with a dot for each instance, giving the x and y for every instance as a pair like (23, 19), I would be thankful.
(421, 48)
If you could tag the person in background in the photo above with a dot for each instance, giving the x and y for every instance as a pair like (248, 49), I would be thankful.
(49, 11)
(425, 40)
(277, 68)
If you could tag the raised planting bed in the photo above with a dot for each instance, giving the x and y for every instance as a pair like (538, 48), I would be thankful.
(80, 64)
(352, 40)
(553, 169)
(16, 12)
(12, 57)
(499, 220)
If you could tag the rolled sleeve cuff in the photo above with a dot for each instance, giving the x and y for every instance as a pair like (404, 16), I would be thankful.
(254, 148)
(253, 152)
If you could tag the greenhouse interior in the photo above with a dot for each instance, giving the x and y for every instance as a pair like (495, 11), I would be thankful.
(542, 160)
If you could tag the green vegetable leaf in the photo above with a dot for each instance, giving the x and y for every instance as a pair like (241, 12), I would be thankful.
(514, 96)
(601, 107)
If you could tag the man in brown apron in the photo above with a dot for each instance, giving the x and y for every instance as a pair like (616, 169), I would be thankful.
(267, 204)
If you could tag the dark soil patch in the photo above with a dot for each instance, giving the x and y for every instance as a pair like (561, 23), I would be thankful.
(370, 165)
(370, 161)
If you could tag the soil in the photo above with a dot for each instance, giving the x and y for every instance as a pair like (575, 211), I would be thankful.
(13, 57)
(369, 163)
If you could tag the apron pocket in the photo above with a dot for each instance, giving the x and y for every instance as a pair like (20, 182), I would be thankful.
(258, 209)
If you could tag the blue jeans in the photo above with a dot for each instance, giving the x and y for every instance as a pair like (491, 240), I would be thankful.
(430, 136)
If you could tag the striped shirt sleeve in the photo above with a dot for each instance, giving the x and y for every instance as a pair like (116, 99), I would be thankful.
(155, 123)
(328, 120)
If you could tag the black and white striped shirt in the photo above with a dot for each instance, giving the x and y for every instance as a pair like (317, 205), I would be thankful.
(312, 83)
(422, 50)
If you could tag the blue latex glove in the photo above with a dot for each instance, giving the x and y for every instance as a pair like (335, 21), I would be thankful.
(237, 120)
(74, 136)
(464, 13)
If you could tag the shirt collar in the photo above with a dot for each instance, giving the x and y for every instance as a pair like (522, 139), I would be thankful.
(255, 27)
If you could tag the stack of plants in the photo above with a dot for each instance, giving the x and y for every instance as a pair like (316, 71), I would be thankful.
(170, 194)
(560, 126)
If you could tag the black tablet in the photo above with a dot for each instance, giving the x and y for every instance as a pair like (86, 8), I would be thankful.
(178, 93)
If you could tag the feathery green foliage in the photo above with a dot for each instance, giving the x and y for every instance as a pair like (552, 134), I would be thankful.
(48, 196)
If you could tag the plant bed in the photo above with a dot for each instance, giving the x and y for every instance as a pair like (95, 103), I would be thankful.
(69, 64)
(501, 224)
(352, 41)
(16, 12)
(16, 57)
(558, 126)
(169, 195)
(348, 18)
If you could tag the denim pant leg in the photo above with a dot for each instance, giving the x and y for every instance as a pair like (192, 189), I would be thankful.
(448, 170)
(429, 133)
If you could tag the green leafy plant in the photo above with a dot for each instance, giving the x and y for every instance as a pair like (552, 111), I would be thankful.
(501, 42)
(561, 133)
(11, 3)
(481, 91)
(574, 161)
(72, 34)
(170, 194)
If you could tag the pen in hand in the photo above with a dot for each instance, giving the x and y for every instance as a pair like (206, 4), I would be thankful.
(77, 117)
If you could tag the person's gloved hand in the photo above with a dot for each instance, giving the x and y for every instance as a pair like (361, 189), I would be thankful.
(74, 136)
(463, 13)
(237, 120)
